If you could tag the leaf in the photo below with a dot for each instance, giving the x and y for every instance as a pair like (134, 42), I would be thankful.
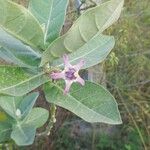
(37, 117)
(10, 104)
(16, 82)
(18, 21)
(92, 102)
(5, 131)
(51, 14)
(27, 104)
(21, 127)
(93, 52)
(23, 135)
(24, 131)
(91, 23)
(12, 50)
(5, 126)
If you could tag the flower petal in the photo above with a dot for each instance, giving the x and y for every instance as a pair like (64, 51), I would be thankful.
(66, 61)
(58, 75)
(78, 66)
(80, 80)
(68, 85)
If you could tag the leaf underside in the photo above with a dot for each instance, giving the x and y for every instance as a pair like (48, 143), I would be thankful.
(93, 52)
(18, 21)
(91, 102)
(88, 25)
(51, 15)
(14, 51)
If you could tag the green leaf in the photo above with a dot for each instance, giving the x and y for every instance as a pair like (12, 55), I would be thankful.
(5, 131)
(24, 131)
(37, 117)
(14, 51)
(27, 104)
(93, 103)
(22, 126)
(23, 135)
(93, 52)
(24, 105)
(18, 21)
(10, 104)
(51, 14)
(91, 23)
(16, 82)
(5, 126)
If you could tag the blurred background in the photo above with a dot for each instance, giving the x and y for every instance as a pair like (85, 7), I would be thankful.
(125, 73)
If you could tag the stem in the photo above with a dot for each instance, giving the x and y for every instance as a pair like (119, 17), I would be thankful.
(51, 122)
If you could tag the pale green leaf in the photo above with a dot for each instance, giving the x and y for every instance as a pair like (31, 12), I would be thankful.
(37, 117)
(5, 126)
(14, 51)
(16, 82)
(10, 104)
(27, 104)
(18, 21)
(94, 21)
(23, 135)
(93, 52)
(92, 102)
(5, 131)
(51, 14)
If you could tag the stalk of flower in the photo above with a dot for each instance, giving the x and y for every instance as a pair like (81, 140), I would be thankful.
(70, 74)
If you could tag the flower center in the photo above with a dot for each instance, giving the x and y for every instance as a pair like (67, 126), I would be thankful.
(70, 74)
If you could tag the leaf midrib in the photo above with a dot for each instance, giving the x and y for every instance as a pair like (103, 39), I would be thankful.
(22, 82)
(94, 112)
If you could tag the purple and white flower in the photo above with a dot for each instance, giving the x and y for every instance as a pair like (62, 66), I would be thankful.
(70, 74)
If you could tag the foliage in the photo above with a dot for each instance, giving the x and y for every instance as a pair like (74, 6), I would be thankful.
(30, 41)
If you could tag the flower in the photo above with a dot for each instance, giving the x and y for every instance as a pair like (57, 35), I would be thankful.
(69, 74)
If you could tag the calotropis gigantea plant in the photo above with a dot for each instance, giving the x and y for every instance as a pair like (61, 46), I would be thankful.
(30, 41)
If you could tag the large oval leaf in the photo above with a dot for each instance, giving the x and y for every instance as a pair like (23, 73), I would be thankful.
(93, 52)
(51, 14)
(89, 24)
(92, 102)
(16, 82)
(14, 51)
(18, 21)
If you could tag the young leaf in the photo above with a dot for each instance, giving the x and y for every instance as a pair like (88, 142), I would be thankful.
(12, 50)
(16, 82)
(11, 105)
(23, 135)
(18, 21)
(88, 25)
(51, 14)
(93, 52)
(37, 117)
(27, 104)
(92, 102)
(24, 131)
